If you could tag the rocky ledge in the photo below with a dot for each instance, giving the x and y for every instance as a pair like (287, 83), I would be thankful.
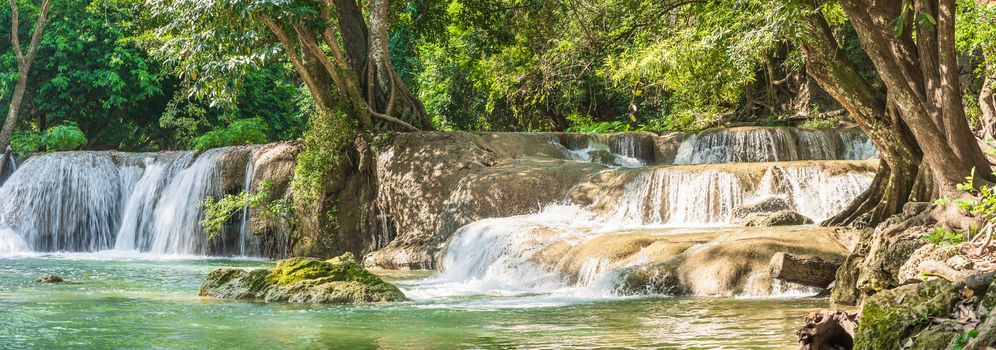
(339, 280)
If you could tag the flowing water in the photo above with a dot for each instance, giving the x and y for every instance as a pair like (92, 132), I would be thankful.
(130, 301)
(124, 230)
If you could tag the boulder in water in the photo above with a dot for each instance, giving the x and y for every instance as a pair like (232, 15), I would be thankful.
(49, 278)
(339, 280)
(779, 218)
(767, 205)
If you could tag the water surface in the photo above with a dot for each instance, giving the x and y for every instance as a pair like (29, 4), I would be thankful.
(126, 301)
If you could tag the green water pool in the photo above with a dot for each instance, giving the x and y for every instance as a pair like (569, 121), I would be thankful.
(121, 302)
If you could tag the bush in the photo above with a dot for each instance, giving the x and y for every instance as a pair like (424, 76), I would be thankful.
(64, 137)
(27, 142)
(239, 132)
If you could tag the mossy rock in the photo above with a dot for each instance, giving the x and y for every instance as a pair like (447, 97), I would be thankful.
(890, 318)
(339, 280)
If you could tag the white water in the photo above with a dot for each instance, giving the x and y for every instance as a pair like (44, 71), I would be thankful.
(747, 145)
(502, 256)
(84, 202)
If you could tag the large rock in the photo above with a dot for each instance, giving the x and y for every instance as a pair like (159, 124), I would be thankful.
(724, 262)
(431, 183)
(900, 318)
(767, 205)
(340, 280)
(779, 218)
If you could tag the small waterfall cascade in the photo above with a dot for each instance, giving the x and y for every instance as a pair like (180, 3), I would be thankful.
(748, 145)
(63, 202)
(621, 149)
(567, 247)
(95, 201)
(248, 245)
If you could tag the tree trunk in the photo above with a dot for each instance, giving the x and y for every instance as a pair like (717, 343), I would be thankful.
(805, 270)
(24, 61)
(895, 58)
(829, 66)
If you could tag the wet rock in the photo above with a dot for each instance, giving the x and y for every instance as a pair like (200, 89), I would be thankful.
(472, 177)
(767, 205)
(49, 278)
(779, 218)
(728, 262)
(232, 168)
(901, 317)
(339, 280)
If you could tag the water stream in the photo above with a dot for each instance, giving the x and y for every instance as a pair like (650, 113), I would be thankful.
(125, 229)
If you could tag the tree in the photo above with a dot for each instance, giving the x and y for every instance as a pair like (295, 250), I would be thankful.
(913, 49)
(342, 57)
(24, 61)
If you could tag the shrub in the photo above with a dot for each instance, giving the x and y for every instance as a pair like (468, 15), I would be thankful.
(941, 236)
(239, 132)
(27, 142)
(64, 137)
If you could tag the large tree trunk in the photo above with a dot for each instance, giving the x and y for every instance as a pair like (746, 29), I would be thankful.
(894, 182)
(24, 61)
(939, 127)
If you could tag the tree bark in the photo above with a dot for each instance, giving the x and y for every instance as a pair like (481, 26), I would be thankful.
(24, 61)
(894, 181)
(895, 58)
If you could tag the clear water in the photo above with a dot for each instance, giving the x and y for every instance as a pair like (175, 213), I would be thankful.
(146, 302)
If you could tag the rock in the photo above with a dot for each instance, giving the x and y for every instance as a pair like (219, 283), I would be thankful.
(232, 168)
(780, 218)
(911, 209)
(910, 270)
(339, 280)
(900, 317)
(728, 262)
(767, 205)
(473, 177)
(805, 270)
(49, 278)
(828, 330)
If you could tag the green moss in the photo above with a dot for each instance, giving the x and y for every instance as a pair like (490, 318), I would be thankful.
(890, 317)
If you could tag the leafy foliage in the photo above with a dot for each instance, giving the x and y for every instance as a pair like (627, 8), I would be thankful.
(64, 137)
(240, 132)
(942, 236)
(219, 211)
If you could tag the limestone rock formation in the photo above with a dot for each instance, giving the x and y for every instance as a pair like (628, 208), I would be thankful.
(339, 280)
(767, 205)
(779, 218)
(431, 183)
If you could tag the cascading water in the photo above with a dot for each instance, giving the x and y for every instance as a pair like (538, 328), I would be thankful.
(545, 252)
(746, 145)
(248, 245)
(93, 201)
(63, 202)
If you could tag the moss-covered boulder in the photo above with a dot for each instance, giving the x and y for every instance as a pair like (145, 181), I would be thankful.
(339, 280)
(902, 317)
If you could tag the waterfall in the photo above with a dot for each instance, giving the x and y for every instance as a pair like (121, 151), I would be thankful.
(745, 145)
(93, 201)
(622, 149)
(63, 202)
(248, 245)
(176, 227)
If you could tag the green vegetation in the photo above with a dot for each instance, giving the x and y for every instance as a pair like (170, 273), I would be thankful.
(240, 132)
(63, 137)
(942, 236)
(218, 211)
